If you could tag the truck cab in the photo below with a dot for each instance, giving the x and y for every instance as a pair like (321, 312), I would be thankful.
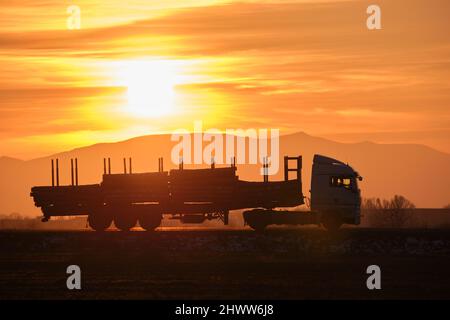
(335, 195)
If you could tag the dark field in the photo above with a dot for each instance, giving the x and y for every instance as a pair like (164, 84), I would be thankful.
(218, 264)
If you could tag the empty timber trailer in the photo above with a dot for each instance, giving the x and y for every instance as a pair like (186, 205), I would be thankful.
(196, 195)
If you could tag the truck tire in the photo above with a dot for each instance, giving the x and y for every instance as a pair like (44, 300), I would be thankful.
(257, 219)
(99, 221)
(150, 222)
(258, 227)
(124, 222)
(331, 222)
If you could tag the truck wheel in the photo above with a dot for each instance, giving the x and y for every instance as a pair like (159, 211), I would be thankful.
(150, 222)
(257, 219)
(125, 222)
(258, 227)
(331, 223)
(99, 221)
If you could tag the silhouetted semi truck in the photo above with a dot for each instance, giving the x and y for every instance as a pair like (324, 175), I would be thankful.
(196, 195)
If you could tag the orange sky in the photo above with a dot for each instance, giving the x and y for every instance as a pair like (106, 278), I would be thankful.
(308, 66)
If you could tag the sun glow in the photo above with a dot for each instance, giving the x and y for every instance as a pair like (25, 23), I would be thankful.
(150, 87)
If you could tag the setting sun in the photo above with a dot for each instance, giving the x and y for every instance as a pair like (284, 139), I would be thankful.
(150, 87)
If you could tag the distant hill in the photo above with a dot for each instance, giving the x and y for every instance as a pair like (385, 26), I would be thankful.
(420, 173)
(8, 161)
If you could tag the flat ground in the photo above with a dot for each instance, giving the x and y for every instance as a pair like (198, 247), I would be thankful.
(219, 264)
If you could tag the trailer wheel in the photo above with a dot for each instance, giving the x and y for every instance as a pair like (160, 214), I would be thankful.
(124, 222)
(99, 221)
(150, 222)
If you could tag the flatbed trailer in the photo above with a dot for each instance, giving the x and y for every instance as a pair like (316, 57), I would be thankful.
(196, 195)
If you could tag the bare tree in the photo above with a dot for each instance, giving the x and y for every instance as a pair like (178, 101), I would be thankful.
(396, 212)
(400, 211)
(372, 209)
(373, 204)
